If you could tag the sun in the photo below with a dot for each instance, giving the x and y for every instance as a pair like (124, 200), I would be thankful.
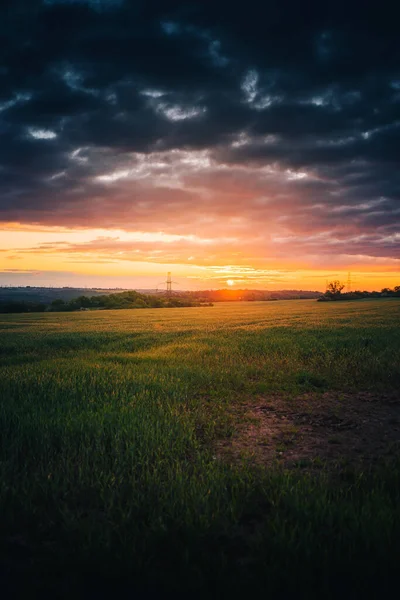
(230, 282)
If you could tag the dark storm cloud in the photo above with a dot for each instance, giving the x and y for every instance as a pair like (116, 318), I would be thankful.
(92, 88)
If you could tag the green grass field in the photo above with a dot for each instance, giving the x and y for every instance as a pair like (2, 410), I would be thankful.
(125, 456)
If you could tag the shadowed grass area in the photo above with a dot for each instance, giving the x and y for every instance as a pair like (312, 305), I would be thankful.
(107, 453)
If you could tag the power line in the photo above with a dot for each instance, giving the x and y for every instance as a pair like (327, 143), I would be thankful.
(349, 282)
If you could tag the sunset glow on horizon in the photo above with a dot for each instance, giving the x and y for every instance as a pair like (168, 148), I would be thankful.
(54, 256)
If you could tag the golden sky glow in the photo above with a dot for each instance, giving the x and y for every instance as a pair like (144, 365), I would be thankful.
(58, 256)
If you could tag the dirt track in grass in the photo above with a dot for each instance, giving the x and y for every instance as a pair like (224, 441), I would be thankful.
(328, 431)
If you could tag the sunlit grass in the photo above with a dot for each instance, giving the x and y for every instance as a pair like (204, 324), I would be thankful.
(108, 421)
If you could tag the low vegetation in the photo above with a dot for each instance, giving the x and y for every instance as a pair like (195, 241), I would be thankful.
(184, 452)
(122, 300)
(335, 292)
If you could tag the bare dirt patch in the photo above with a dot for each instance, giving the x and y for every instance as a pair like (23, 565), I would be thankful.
(315, 431)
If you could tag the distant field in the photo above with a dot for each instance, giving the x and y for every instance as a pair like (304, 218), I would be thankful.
(232, 448)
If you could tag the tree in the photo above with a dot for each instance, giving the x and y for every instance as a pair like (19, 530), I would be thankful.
(58, 304)
(334, 289)
(84, 301)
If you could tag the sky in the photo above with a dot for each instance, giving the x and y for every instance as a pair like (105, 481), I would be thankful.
(255, 143)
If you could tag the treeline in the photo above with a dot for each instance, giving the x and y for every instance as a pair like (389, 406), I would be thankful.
(14, 306)
(123, 300)
(334, 292)
(43, 295)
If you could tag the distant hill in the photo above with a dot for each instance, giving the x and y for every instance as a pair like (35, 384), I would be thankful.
(45, 295)
(48, 295)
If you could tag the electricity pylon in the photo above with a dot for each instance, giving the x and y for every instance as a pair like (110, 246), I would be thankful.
(169, 283)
